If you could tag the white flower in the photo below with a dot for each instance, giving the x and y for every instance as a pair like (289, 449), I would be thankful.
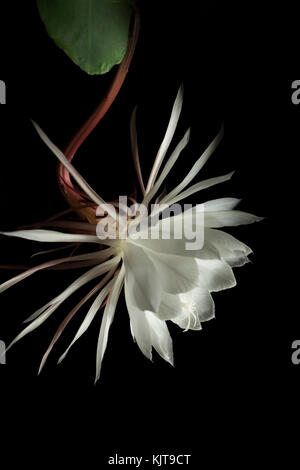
(163, 280)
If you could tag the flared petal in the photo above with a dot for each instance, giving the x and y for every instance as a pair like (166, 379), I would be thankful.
(214, 217)
(138, 325)
(172, 236)
(181, 235)
(231, 250)
(174, 274)
(180, 274)
(229, 218)
(178, 248)
(160, 337)
(141, 277)
(147, 329)
(221, 204)
(215, 275)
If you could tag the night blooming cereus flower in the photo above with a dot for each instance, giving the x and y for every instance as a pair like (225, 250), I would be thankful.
(168, 261)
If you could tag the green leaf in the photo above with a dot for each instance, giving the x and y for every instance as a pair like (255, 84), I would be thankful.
(93, 33)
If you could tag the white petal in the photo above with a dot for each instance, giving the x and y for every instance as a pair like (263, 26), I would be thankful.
(108, 316)
(160, 337)
(177, 248)
(142, 292)
(139, 326)
(175, 273)
(181, 274)
(146, 329)
(170, 306)
(215, 275)
(222, 204)
(229, 218)
(234, 252)
(141, 279)
(215, 217)
(172, 235)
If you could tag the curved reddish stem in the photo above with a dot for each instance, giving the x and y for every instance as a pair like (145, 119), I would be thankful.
(72, 195)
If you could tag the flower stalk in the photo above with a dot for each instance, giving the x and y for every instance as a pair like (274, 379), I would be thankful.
(72, 195)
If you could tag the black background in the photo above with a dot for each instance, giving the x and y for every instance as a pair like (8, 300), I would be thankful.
(233, 382)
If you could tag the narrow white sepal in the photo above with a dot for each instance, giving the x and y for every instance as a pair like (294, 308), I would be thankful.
(199, 187)
(167, 138)
(51, 236)
(97, 255)
(79, 282)
(35, 324)
(76, 175)
(89, 316)
(196, 167)
(108, 316)
(167, 168)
